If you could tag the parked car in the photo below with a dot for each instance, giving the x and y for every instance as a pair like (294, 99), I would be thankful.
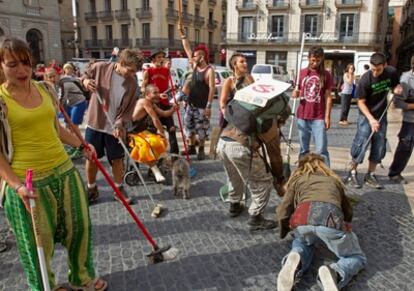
(175, 74)
(221, 75)
(269, 72)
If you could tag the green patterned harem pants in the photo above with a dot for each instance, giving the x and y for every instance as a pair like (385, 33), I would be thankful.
(63, 216)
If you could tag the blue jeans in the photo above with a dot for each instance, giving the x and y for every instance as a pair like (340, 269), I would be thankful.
(315, 129)
(378, 141)
(343, 244)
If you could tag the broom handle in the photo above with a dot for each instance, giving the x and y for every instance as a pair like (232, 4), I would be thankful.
(39, 246)
(179, 120)
(121, 142)
(111, 182)
(302, 45)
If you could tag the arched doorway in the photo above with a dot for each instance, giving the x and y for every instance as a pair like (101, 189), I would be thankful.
(1, 32)
(35, 39)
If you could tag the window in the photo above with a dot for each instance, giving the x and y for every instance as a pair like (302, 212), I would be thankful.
(278, 59)
(311, 24)
(125, 34)
(94, 33)
(108, 6)
(346, 28)
(124, 5)
(210, 16)
(146, 33)
(210, 38)
(92, 5)
(171, 31)
(108, 32)
(197, 36)
(145, 4)
(171, 4)
(312, 2)
(246, 27)
(277, 26)
(196, 12)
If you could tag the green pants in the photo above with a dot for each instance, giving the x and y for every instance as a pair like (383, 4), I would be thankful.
(62, 216)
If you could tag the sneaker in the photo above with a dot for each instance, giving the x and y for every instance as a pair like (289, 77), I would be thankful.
(201, 155)
(372, 181)
(343, 122)
(93, 194)
(398, 179)
(286, 277)
(76, 154)
(258, 222)
(159, 178)
(125, 194)
(328, 279)
(235, 209)
(352, 180)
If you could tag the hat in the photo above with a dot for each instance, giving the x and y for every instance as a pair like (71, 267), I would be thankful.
(155, 52)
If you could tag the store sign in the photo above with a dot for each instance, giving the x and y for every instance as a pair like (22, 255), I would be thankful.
(263, 36)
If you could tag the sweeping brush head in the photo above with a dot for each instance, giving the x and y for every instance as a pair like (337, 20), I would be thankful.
(159, 255)
(156, 212)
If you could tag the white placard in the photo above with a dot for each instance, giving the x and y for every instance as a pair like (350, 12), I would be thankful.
(261, 91)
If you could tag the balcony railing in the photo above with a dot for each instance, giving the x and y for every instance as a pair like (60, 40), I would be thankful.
(311, 4)
(91, 43)
(144, 13)
(122, 14)
(91, 16)
(123, 42)
(106, 15)
(172, 44)
(357, 39)
(278, 5)
(107, 43)
(198, 21)
(172, 14)
(212, 24)
(187, 18)
(33, 10)
(348, 3)
(247, 6)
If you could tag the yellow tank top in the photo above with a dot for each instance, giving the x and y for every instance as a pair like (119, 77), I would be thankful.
(34, 137)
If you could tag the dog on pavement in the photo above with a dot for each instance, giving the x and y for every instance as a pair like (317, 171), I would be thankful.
(180, 169)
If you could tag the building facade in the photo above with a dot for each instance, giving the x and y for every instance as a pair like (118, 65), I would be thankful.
(40, 22)
(406, 48)
(270, 31)
(149, 24)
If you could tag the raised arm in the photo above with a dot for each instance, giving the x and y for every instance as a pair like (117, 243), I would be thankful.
(185, 42)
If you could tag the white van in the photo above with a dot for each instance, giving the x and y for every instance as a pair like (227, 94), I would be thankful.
(269, 72)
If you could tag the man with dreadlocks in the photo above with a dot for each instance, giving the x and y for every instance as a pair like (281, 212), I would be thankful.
(200, 96)
(314, 111)
(315, 207)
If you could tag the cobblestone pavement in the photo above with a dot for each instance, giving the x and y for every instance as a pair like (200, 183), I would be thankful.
(218, 252)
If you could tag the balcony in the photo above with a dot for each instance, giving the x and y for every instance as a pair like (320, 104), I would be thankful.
(212, 2)
(122, 14)
(143, 43)
(106, 15)
(187, 18)
(311, 4)
(172, 14)
(144, 13)
(212, 24)
(278, 5)
(123, 42)
(91, 43)
(32, 10)
(247, 7)
(198, 21)
(107, 43)
(91, 16)
(356, 4)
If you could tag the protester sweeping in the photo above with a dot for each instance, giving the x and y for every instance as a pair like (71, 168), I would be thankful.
(29, 113)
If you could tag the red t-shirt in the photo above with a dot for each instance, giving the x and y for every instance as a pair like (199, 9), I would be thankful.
(312, 104)
(159, 76)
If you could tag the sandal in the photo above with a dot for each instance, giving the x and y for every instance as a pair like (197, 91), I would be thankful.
(92, 285)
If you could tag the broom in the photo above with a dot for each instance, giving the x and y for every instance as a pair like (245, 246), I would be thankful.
(158, 208)
(158, 254)
(39, 246)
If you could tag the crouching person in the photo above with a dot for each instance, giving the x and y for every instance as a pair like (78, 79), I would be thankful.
(315, 207)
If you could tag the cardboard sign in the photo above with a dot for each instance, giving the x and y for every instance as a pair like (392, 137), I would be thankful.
(261, 91)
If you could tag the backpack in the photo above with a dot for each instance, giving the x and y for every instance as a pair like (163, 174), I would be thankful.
(78, 84)
(253, 119)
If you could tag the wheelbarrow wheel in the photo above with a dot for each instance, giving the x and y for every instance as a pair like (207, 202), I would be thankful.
(131, 178)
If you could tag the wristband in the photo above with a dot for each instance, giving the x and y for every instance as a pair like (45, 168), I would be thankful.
(208, 105)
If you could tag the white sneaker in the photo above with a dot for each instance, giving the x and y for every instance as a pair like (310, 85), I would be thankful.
(157, 174)
(286, 277)
(328, 278)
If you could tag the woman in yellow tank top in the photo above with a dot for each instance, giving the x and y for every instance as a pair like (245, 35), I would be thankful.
(32, 138)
